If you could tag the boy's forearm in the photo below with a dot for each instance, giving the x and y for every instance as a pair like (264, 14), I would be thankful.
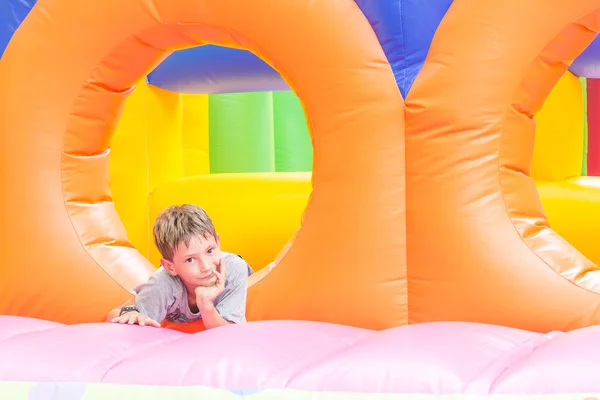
(211, 317)
(115, 312)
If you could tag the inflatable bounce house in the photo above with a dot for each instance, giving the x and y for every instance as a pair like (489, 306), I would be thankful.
(416, 184)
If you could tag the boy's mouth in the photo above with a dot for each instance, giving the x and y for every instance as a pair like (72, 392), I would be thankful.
(207, 275)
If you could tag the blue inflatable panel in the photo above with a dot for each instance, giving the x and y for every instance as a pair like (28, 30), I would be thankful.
(587, 65)
(405, 29)
(215, 69)
(12, 13)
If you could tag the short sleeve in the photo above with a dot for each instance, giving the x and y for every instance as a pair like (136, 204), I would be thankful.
(231, 304)
(154, 297)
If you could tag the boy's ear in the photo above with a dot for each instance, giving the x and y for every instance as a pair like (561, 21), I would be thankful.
(217, 238)
(168, 265)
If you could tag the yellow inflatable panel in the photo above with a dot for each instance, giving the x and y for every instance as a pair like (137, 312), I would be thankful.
(559, 134)
(146, 150)
(254, 214)
(165, 151)
(194, 131)
(572, 210)
(128, 168)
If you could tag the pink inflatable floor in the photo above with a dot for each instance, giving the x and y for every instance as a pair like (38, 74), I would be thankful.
(305, 358)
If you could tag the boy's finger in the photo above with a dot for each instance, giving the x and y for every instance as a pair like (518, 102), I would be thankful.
(153, 323)
(149, 321)
(219, 277)
(223, 268)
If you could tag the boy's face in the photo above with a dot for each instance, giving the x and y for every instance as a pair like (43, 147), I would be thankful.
(195, 265)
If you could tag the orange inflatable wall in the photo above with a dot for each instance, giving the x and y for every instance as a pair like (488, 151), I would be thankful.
(422, 209)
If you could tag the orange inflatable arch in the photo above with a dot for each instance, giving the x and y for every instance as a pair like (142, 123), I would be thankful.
(421, 210)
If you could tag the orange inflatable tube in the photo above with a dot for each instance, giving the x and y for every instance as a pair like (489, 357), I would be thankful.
(429, 218)
(63, 91)
(479, 244)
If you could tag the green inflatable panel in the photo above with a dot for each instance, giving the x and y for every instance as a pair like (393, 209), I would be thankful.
(293, 147)
(241, 132)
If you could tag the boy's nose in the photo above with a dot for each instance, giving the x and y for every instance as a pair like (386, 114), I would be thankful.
(205, 266)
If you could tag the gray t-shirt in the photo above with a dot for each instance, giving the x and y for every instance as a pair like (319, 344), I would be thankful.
(164, 297)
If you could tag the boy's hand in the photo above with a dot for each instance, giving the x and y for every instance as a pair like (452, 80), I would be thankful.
(205, 295)
(134, 317)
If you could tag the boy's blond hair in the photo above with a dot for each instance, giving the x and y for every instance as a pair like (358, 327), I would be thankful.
(179, 224)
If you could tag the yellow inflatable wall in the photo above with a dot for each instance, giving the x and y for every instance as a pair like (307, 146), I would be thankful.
(559, 135)
(569, 200)
(161, 137)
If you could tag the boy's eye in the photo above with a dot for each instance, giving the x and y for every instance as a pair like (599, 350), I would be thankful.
(210, 251)
(189, 260)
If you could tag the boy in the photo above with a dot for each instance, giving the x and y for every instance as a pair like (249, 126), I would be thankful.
(195, 281)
